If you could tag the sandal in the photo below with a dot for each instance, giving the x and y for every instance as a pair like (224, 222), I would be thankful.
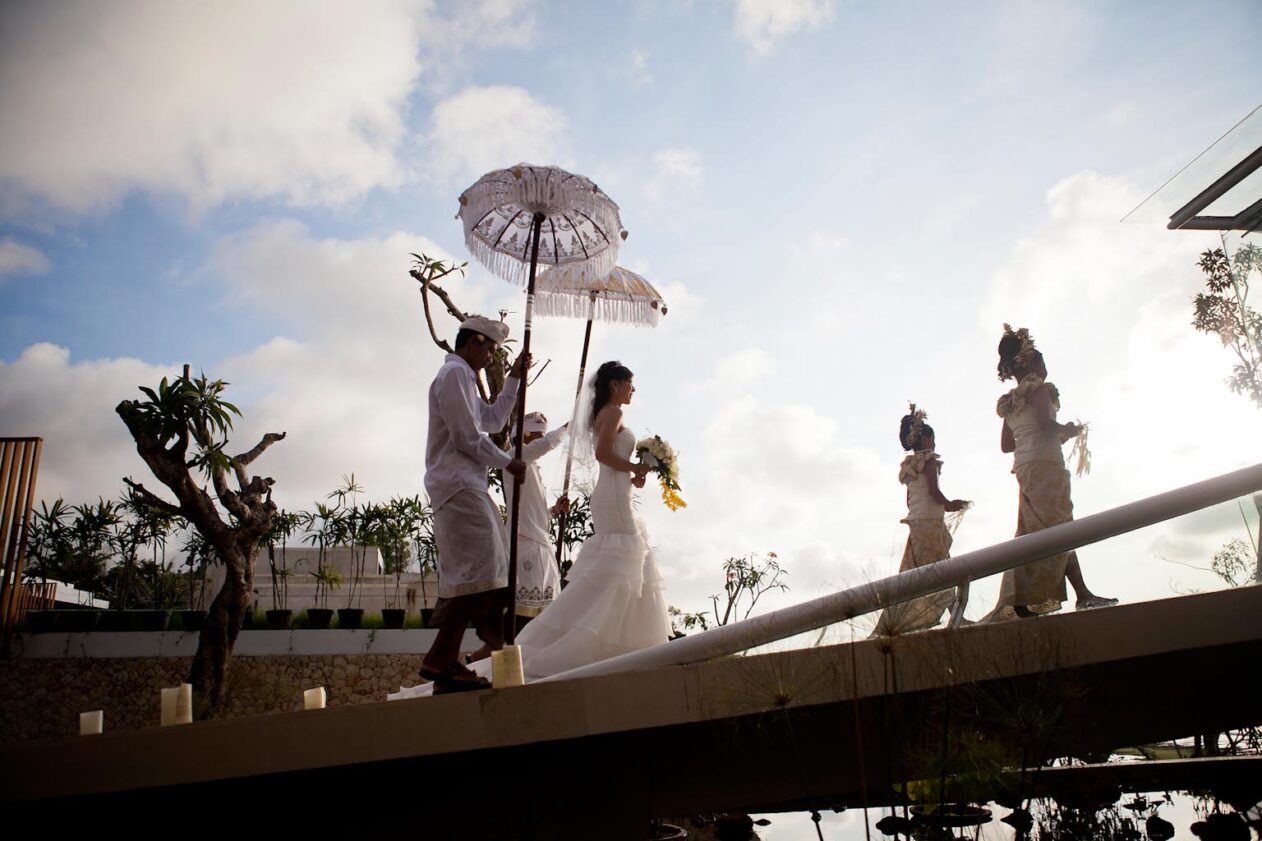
(1094, 601)
(455, 678)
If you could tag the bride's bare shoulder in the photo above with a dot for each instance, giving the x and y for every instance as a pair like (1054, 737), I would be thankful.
(609, 415)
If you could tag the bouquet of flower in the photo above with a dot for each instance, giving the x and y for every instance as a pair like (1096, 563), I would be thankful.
(661, 458)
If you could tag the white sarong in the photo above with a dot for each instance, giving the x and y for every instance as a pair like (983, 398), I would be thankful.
(470, 537)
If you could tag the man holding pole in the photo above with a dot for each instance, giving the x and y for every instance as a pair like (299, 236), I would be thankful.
(472, 555)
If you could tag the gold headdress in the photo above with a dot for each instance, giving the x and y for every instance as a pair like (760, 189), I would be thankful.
(1022, 358)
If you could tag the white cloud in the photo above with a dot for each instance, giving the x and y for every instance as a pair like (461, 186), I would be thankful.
(640, 73)
(763, 22)
(681, 164)
(16, 258)
(296, 101)
(70, 405)
(820, 249)
(488, 23)
(676, 173)
(485, 128)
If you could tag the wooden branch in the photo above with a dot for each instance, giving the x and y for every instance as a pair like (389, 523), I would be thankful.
(153, 500)
(427, 284)
(268, 440)
(227, 498)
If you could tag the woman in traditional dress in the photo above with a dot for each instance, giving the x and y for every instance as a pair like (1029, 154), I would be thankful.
(1034, 437)
(929, 539)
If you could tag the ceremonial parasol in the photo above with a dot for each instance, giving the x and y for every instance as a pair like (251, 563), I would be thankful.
(518, 218)
(622, 296)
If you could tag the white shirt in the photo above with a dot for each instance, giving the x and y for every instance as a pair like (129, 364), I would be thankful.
(458, 450)
(534, 515)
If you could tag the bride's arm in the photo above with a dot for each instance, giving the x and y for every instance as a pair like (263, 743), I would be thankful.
(607, 423)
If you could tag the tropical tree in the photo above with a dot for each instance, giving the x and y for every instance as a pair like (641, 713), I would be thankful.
(49, 546)
(746, 579)
(130, 535)
(578, 527)
(181, 429)
(1223, 309)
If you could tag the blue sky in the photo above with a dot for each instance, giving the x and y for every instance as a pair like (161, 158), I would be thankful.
(842, 201)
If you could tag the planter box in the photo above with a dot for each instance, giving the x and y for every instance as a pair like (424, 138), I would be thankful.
(193, 620)
(278, 620)
(77, 621)
(319, 618)
(350, 618)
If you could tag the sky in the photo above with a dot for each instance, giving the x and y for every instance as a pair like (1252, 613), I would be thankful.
(842, 203)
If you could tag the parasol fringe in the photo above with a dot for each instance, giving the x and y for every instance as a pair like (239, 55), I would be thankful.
(609, 308)
(517, 271)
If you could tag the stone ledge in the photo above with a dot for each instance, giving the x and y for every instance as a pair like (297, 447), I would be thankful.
(104, 644)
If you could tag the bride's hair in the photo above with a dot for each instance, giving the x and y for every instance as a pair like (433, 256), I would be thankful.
(605, 376)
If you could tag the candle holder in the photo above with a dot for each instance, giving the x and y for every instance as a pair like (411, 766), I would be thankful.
(314, 699)
(506, 668)
(91, 724)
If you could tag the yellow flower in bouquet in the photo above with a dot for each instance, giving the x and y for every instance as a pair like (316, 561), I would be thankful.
(660, 456)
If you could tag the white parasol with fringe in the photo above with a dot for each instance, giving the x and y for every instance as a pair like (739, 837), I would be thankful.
(518, 218)
(621, 297)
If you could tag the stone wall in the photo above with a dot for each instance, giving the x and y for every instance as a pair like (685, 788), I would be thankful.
(42, 698)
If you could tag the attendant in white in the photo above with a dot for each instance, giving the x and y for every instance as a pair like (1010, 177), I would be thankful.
(468, 530)
(538, 579)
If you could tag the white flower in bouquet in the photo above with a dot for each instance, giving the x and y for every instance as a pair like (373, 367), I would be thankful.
(660, 456)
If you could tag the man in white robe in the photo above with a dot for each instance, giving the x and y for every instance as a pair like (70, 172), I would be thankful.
(472, 554)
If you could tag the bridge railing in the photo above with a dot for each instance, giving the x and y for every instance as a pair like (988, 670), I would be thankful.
(943, 575)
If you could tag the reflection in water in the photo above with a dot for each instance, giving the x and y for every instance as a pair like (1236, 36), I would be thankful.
(1153, 816)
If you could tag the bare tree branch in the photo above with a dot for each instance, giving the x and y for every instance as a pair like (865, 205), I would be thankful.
(153, 500)
(268, 440)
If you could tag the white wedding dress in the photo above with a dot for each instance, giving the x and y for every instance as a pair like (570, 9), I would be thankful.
(613, 603)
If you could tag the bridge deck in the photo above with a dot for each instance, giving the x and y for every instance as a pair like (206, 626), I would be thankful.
(825, 725)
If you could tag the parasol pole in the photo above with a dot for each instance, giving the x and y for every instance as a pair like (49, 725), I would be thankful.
(574, 420)
(510, 626)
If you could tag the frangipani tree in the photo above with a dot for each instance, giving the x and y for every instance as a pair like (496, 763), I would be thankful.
(181, 432)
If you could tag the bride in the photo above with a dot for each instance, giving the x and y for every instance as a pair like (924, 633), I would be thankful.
(613, 602)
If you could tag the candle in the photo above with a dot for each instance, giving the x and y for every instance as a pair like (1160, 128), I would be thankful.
(506, 667)
(91, 724)
(314, 699)
(184, 704)
(170, 698)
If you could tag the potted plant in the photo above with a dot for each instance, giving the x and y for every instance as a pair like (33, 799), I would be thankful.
(283, 525)
(198, 556)
(392, 525)
(426, 549)
(350, 525)
(321, 535)
(327, 578)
